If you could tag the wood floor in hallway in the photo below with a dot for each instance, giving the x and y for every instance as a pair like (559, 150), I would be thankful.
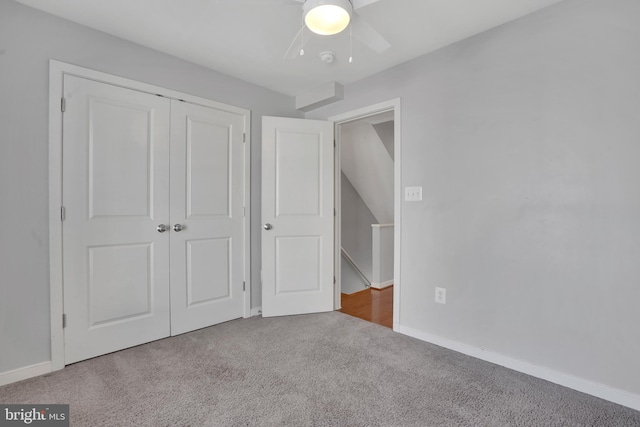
(373, 305)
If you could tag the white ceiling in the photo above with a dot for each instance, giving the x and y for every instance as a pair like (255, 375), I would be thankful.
(248, 38)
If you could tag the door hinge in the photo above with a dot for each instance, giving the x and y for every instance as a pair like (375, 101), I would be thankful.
(63, 104)
(334, 143)
(334, 280)
(64, 320)
(334, 212)
(244, 138)
(244, 212)
(244, 286)
(63, 213)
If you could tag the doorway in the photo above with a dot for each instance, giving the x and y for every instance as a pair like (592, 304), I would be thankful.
(300, 189)
(367, 206)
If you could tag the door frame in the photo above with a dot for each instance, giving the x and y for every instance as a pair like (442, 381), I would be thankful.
(371, 110)
(57, 71)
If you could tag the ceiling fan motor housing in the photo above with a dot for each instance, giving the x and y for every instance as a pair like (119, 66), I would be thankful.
(312, 4)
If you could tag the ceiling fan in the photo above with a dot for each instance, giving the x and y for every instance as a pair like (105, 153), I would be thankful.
(328, 17)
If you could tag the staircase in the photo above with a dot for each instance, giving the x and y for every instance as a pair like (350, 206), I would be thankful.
(367, 200)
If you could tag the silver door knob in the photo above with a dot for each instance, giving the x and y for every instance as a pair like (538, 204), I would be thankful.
(178, 227)
(267, 226)
(161, 228)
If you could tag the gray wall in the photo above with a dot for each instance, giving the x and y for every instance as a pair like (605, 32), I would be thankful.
(350, 281)
(28, 39)
(386, 131)
(356, 226)
(526, 140)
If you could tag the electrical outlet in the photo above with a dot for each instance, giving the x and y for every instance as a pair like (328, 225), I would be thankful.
(413, 194)
(441, 295)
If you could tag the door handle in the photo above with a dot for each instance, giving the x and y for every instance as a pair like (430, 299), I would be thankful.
(178, 227)
(267, 226)
(161, 228)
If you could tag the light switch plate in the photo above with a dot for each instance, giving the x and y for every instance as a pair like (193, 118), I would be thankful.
(413, 194)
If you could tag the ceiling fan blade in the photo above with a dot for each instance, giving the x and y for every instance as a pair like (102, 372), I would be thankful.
(362, 3)
(367, 35)
(299, 42)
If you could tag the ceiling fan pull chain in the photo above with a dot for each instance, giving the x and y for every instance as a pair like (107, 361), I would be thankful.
(302, 38)
(350, 43)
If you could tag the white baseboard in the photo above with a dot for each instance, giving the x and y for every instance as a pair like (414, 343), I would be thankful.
(256, 311)
(25, 373)
(382, 285)
(611, 394)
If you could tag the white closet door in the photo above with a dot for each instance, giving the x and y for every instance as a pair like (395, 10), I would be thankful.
(207, 176)
(297, 216)
(115, 193)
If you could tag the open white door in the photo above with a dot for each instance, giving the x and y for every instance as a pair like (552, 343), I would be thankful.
(297, 216)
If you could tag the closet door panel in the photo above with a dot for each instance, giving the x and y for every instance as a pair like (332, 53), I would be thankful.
(207, 176)
(115, 193)
(208, 169)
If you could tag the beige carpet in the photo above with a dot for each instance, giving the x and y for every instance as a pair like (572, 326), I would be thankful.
(314, 370)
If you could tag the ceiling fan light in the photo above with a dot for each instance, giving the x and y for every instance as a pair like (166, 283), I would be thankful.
(327, 17)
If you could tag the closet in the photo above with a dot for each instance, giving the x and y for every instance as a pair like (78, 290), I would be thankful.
(153, 195)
